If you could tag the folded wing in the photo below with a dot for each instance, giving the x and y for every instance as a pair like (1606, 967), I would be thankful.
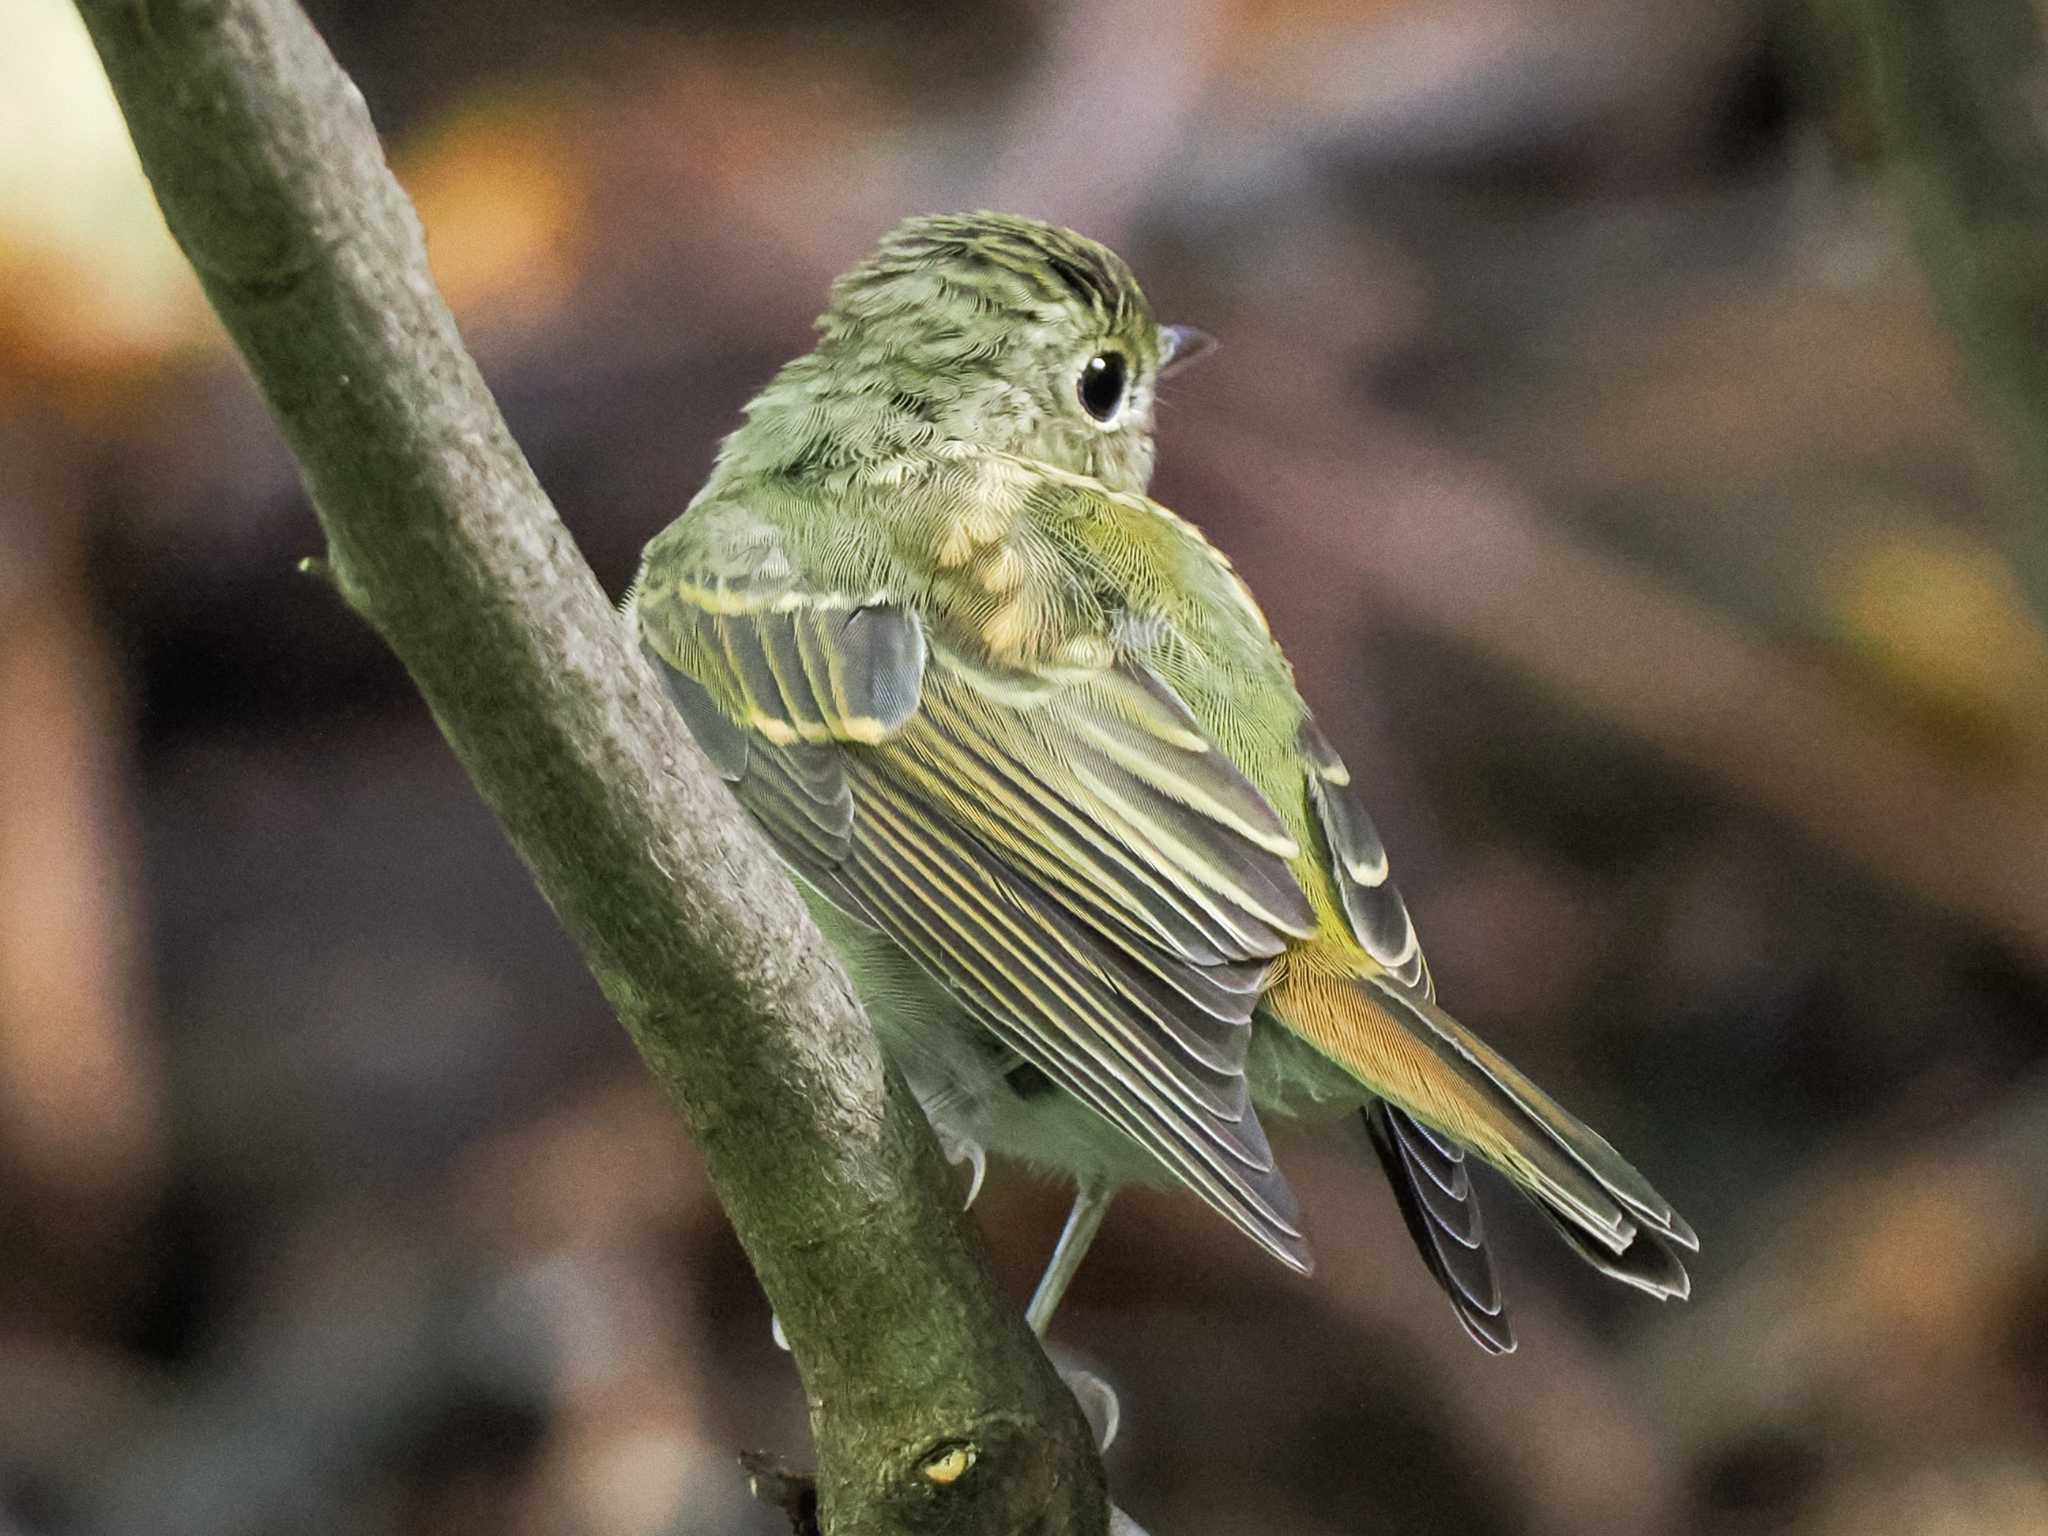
(1071, 856)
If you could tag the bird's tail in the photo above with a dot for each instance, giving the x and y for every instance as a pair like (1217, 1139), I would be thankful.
(1441, 1089)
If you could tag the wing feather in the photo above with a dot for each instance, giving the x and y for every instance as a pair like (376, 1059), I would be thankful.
(1072, 850)
(1373, 908)
(1068, 1019)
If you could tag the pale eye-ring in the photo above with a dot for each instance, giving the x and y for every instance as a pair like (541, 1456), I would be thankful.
(1102, 385)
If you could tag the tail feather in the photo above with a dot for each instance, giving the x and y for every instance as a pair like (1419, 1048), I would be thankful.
(1458, 1047)
(1590, 1149)
(1651, 1263)
(1441, 1209)
(1451, 1087)
(1446, 1188)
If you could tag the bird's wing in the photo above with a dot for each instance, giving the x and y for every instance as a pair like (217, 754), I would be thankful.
(1068, 853)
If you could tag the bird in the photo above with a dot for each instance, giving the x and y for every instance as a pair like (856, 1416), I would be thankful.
(1043, 774)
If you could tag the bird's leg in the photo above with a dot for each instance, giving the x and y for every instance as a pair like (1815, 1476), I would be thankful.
(1091, 1203)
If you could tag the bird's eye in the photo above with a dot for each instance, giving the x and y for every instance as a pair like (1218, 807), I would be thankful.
(1101, 386)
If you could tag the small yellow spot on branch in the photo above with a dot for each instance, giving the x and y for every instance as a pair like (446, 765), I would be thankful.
(949, 1464)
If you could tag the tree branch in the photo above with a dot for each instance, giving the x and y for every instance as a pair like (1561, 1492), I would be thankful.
(270, 176)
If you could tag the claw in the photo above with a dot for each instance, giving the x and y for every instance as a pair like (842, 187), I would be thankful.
(1098, 1402)
(964, 1149)
(979, 1160)
(775, 1332)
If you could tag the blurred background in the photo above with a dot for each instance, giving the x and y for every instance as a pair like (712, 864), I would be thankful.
(1585, 420)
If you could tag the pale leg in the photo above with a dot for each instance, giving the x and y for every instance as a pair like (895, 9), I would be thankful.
(1091, 1203)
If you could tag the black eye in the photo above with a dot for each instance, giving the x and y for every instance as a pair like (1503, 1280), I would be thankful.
(1101, 385)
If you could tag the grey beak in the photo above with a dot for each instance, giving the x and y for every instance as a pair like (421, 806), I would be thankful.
(1180, 345)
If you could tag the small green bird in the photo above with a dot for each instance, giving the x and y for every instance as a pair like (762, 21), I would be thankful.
(1025, 737)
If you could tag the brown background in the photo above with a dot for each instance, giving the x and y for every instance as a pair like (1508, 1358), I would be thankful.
(1584, 424)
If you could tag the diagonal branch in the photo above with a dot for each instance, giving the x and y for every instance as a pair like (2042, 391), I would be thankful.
(271, 178)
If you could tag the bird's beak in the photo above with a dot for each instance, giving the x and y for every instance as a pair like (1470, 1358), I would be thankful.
(1180, 345)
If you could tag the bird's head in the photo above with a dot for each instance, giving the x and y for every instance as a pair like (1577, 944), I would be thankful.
(1009, 334)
